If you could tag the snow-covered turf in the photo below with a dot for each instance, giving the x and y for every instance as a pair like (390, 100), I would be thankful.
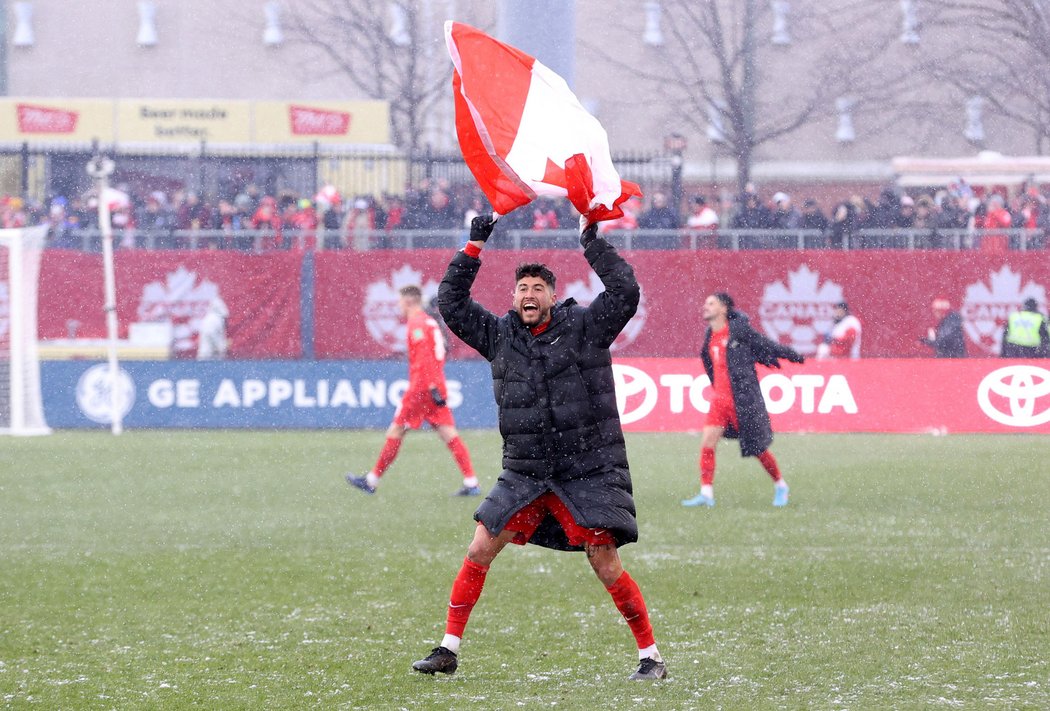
(238, 570)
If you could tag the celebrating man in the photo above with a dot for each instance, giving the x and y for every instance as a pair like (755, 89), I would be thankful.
(730, 351)
(424, 399)
(565, 482)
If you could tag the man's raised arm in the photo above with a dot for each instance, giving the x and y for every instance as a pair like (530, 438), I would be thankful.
(466, 318)
(615, 306)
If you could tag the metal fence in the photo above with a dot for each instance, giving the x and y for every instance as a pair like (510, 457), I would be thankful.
(40, 171)
(685, 239)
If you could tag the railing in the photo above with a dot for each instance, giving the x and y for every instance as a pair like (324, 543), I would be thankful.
(89, 240)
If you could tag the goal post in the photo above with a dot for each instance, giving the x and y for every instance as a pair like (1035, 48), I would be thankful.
(21, 405)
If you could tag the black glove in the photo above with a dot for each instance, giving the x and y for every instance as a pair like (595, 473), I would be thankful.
(435, 394)
(827, 338)
(589, 234)
(797, 358)
(481, 227)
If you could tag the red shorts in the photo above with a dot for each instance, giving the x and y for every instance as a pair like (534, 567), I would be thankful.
(722, 413)
(528, 518)
(416, 408)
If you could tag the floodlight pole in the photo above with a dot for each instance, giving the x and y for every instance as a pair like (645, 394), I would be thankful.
(100, 169)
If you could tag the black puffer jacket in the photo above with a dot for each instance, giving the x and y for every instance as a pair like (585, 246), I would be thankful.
(556, 399)
(745, 348)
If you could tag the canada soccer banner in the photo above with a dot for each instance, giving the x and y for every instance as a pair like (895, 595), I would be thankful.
(261, 293)
(917, 395)
(789, 296)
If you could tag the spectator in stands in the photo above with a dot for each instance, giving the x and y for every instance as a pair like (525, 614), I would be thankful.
(785, 216)
(439, 213)
(155, 222)
(702, 224)
(846, 219)
(946, 338)
(268, 219)
(813, 219)
(752, 214)
(543, 215)
(993, 215)
(659, 216)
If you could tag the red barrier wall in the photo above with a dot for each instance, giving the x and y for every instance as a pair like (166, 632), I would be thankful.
(878, 395)
(261, 292)
(789, 295)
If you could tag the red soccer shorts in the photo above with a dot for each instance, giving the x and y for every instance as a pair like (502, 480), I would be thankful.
(722, 413)
(525, 522)
(417, 408)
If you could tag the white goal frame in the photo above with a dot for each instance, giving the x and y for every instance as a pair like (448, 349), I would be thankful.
(26, 409)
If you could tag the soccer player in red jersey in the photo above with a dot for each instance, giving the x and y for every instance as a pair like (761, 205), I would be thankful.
(424, 400)
(565, 482)
(730, 351)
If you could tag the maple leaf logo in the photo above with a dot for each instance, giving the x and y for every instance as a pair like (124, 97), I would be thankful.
(587, 291)
(987, 306)
(801, 311)
(181, 299)
(381, 312)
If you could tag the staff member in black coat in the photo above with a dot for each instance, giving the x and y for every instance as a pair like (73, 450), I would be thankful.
(730, 351)
(947, 339)
(565, 481)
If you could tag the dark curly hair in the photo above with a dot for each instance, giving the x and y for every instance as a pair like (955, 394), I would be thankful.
(534, 270)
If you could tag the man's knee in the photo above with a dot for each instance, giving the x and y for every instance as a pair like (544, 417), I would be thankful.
(605, 560)
(484, 548)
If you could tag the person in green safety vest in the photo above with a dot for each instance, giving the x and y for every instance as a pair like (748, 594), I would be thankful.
(1026, 335)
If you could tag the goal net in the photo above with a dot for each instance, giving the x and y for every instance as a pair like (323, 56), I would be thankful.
(21, 408)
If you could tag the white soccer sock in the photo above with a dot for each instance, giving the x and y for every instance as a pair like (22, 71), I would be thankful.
(708, 491)
(470, 481)
(650, 651)
(372, 479)
(781, 484)
(451, 643)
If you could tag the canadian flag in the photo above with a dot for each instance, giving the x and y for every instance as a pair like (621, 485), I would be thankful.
(524, 133)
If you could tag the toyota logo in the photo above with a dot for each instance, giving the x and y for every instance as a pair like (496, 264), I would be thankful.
(1018, 388)
(635, 393)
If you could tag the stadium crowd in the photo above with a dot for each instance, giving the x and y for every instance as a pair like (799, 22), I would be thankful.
(253, 220)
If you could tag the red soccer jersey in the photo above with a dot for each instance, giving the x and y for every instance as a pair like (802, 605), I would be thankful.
(717, 351)
(426, 354)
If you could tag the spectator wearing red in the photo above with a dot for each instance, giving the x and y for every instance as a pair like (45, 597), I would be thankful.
(994, 216)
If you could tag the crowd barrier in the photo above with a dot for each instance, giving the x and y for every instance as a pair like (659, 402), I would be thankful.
(653, 395)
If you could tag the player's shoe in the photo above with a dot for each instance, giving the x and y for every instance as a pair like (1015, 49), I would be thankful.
(780, 494)
(360, 482)
(699, 500)
(468, 491)
(649, 668)
(439, 660)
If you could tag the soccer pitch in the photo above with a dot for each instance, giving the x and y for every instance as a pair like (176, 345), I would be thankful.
(238, 570)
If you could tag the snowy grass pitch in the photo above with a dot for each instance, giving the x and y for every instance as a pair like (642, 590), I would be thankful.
(238, 570)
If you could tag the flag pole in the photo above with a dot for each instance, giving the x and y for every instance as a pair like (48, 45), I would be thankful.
(100, 169)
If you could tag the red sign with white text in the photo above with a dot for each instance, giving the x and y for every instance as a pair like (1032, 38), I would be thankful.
(879, 395)
(44, 119)
(310, 121)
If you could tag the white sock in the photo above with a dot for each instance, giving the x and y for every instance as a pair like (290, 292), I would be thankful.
(650, 651)
(451, 643)
(781, 484)
(708, 491)
(372, 479)
(470, 481)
